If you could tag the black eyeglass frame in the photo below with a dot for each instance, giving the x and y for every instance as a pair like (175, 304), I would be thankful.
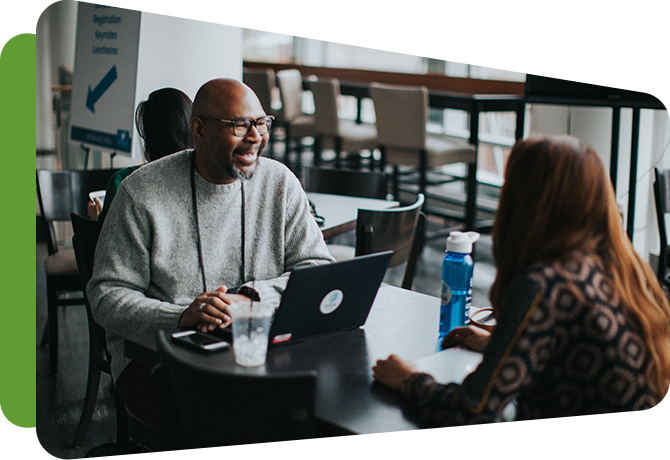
(267, 118)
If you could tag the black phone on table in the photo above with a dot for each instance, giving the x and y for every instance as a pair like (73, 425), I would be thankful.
(199, 341)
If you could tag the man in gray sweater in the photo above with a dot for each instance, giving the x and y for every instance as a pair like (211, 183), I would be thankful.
(186, 230)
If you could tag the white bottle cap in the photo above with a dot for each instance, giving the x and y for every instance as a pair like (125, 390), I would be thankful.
(461, 242)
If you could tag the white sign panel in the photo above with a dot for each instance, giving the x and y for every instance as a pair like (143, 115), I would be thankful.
(105, 73)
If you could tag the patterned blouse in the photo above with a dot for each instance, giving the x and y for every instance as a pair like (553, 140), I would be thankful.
(562, 347)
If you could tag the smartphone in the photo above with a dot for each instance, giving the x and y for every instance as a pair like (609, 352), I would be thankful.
(199, 341)
(98, 194)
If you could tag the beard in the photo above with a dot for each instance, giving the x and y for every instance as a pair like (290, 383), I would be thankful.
(236, 173)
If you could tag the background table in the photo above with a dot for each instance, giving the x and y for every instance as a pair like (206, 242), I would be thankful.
(348, 401)
(340, 212)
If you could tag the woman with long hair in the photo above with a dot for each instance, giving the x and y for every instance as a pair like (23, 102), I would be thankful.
(163, 123)
(582, 324)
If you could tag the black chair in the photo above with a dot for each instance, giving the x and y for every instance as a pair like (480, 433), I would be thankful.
(59, 194)
(211, 407)
(662, 201)
(366, 184)
(84, 240)
(399, 229)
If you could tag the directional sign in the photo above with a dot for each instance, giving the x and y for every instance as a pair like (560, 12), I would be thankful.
(105, 75)
(99, 90)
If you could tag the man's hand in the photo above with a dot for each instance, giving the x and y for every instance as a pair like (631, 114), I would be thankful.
(210, 310)
(392, 371)
(94, 208)
(471, 338)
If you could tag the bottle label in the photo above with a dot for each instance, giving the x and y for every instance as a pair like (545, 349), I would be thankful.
(446, 293)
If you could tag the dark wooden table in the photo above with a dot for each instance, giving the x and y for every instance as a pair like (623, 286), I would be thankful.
(348, 400)
(340, 212)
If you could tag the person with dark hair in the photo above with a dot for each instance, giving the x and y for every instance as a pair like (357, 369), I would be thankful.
(198, 230)
(582, 324)
(163, 124)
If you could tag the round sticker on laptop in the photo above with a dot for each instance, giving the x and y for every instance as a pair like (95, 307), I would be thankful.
(331, 301)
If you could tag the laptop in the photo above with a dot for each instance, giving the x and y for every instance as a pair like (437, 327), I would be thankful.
(323, 299)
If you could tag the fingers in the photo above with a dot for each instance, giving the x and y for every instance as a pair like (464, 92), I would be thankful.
(207, 312)
(455, 337)
(213, 306)
(392, 371)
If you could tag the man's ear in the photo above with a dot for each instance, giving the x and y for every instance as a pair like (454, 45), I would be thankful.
(196, 127)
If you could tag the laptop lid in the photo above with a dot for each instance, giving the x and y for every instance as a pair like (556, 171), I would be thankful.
(322, 299)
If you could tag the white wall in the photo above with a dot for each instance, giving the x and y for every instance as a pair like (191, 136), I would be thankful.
(173, 52)
(182, 54)
(55, 33)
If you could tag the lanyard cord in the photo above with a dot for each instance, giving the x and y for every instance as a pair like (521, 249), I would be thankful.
(197, 227)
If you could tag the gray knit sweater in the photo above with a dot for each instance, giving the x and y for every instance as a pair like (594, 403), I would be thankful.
(146, 264)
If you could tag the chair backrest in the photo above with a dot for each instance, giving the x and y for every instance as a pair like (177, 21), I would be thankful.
(84, 241)
(366, 184)
(215, 408)
(62, 192)
(402, 114)
(263, 84)
(326, 93)
(397, 229)
(662, 201)
(290, 90)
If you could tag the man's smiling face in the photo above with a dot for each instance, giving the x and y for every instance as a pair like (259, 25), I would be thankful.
(221, 156)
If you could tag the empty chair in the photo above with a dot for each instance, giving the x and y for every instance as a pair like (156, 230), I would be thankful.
(84, 240)
(211, 407)
(400, 230)
(662, 201)
(263, 82)
(402, 114)
(297, 124)
(366, 184)
(59, 194)
(343, 135)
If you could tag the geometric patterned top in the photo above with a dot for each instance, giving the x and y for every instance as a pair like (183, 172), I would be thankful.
(562, 347)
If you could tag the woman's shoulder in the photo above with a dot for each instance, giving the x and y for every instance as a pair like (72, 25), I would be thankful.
(575, 267)
(123, 173)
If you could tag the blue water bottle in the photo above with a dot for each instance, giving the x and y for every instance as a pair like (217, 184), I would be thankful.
(456, 282)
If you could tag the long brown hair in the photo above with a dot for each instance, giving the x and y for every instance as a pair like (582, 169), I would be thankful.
(557, 199)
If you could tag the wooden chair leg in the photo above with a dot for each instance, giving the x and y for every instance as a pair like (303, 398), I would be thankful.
(45, 335)
(318, 150)
(471, 197)
(89, 402)
(122, 430)
(396, 178)
(52, 321)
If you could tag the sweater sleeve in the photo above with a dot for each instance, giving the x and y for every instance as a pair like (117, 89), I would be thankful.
(498, 380)
(121, 275)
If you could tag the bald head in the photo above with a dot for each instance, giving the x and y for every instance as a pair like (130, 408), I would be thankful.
(221, 156)
(216, 97)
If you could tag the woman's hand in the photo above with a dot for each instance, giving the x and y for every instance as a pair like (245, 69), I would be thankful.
(471, 338)
(392, 371)
(210, 310)
(94, 208)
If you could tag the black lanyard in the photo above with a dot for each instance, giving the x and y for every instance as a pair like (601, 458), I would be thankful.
(197, 226)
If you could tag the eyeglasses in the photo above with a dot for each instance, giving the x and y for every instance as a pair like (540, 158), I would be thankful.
(242, 126)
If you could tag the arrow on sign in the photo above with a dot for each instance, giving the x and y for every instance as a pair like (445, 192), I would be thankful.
(99, 90)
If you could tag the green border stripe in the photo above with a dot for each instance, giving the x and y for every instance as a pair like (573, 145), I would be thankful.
(17, 232)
